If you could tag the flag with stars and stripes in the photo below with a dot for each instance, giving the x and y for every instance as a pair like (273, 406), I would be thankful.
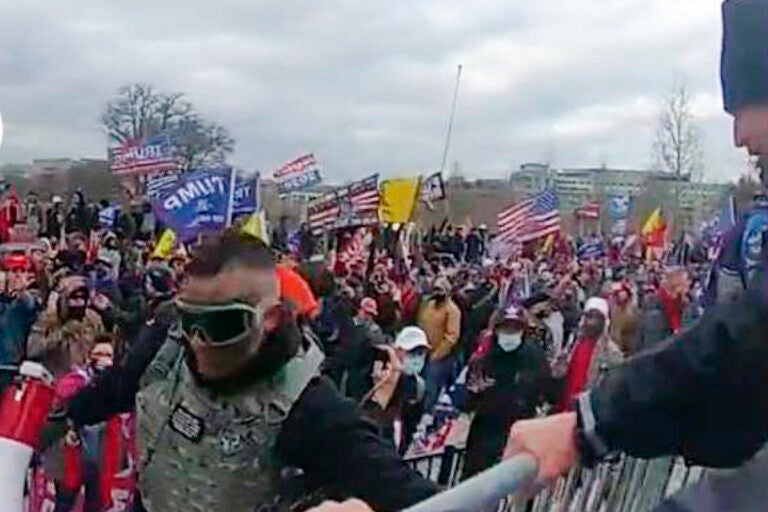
(532, 218)
(144, 156)
(353, 205)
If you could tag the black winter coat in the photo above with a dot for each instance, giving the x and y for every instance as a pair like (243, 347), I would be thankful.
(502, 388)
(702, 393)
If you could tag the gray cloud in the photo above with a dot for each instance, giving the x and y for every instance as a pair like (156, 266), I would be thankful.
(367, 85)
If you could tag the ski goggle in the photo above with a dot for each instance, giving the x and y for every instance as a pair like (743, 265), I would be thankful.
(219, 324)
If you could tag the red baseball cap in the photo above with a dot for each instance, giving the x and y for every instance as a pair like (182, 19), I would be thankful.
(17, 261)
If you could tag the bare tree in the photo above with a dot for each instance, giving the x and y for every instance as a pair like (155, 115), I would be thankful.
(678, 142)
(655, 194)
(139, 111)
(677, 145)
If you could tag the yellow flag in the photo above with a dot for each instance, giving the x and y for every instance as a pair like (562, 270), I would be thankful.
(165, 244)
(653, 223)
(549, 244)
(256, 226)
(398, 199)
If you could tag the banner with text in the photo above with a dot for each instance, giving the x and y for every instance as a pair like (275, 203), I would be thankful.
(353, 205)
(200, 201)
(298, 174)
(247, 192)
(143, 156)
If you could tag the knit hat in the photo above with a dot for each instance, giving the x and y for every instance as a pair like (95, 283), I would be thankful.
(601, 305)
(744, 65)
(597, 304)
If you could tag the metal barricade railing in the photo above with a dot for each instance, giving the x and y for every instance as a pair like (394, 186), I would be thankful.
(442, 468)
(624, 484)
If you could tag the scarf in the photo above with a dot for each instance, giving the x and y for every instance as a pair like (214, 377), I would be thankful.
(672, 309)
(578, 372)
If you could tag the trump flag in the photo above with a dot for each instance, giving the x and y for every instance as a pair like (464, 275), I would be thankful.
(199, 201)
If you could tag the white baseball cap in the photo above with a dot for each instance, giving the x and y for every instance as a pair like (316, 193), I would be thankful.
(411, 338)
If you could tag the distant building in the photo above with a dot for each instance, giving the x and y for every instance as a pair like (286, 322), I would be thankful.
(49, 166)
(577, 186)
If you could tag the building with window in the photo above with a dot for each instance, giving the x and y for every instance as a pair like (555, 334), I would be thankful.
(577, 186)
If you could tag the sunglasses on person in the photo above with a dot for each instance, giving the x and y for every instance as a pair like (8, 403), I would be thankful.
(219, 324)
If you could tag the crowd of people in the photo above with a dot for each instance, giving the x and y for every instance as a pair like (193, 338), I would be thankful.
(231, 375)
(450, 330)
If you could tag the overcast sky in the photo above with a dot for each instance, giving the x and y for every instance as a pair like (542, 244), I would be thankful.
(367, 85)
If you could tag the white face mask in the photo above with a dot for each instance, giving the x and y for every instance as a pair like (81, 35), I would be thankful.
(509, 341)
(413, 363)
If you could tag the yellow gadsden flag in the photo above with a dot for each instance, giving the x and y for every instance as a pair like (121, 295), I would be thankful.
(256, 226)
(165, 244)
(398, 199)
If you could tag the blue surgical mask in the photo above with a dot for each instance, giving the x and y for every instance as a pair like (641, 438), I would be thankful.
(509, 342)
(413, 364)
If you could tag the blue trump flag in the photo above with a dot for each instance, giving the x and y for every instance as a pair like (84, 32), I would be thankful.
(247, 192)
(200, 201)
(590, 250)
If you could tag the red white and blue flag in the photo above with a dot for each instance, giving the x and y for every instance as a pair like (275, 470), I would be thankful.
(144, 156)
(298, 174)
(353, 205)
(590, 210)
(530, 219)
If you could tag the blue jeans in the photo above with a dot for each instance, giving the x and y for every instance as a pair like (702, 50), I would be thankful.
(440, 374)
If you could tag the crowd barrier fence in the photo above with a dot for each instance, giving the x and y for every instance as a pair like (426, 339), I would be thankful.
(622, 484)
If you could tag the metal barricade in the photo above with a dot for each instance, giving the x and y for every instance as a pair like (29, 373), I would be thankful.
(623, 484)
(442, 468)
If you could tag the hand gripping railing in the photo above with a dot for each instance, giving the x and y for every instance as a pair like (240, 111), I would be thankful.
(484, 491)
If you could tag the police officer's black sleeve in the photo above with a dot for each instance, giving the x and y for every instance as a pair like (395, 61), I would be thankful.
(701, 394)
(114, 391)
(327, 437)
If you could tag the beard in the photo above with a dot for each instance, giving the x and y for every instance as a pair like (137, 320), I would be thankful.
(75, 313)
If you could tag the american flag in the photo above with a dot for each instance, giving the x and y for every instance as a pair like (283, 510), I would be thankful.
(144, 156)
(532, 218)
(298, 174)
(160, 182)
(591, 210)
(354, 250)
(321, 212)
(356, 204)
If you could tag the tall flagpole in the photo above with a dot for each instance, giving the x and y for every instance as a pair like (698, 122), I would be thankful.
(448, 135)
(450, 119)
